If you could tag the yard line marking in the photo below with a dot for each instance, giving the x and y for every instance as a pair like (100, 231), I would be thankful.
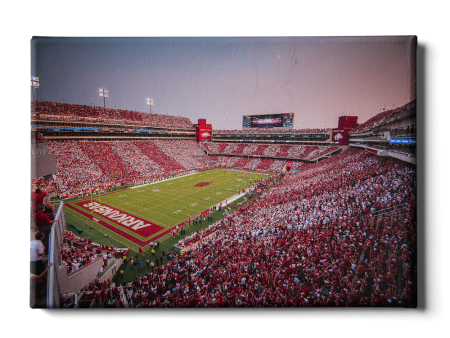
(186, 193)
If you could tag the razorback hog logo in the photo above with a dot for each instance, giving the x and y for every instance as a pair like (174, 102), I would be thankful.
(338, 136)
(202, 184)
(206, 134)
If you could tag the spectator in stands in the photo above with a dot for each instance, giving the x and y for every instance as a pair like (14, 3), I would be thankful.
(34, 278)
(44, 110)
(68, 303)
(37, 266)
(43, 223)
(37, 196)
(49, 208)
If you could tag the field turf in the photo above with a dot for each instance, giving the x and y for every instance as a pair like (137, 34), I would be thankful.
(161, 206)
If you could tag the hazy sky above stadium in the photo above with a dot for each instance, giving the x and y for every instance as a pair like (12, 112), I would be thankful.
(222, 79)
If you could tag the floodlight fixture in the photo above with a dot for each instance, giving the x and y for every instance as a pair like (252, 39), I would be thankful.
(150, 103)
(103, 93)
(34, 84)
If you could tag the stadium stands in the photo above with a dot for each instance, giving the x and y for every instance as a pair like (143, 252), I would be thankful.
(270, 150)
(341, 232)
(119, 162)
(102, 295)
(57, 111)
(78, 252)
(272, 131)
(384, 116)
(185, 152)
(152, 151)
(312, 240)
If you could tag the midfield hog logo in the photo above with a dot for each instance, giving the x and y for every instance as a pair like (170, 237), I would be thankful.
(205, 134)
(202, 184)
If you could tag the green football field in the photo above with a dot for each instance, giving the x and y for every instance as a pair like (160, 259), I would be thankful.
(171, 202)
(145, 213)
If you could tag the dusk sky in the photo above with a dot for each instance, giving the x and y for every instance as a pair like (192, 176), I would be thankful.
(222, 79)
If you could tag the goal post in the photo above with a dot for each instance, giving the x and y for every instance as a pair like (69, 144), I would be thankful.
(99, 201)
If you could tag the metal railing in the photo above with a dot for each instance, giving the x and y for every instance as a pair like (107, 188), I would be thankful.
(54, 256)
(390, 210)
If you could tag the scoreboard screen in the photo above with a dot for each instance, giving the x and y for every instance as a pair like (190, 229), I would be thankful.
(285, 120)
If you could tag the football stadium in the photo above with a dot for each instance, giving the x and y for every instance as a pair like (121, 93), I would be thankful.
(264, 207)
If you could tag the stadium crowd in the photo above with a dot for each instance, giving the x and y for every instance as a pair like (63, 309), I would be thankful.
(317, 238)
(272, 131)
(102, 294)
(107, 164)
(386, 115)
(57, 111)
(259, 164)
(78, 252)
(185, 152)
(270, 150)
(341, 232)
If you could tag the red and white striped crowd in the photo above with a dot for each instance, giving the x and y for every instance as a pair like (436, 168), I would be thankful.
(339, 233)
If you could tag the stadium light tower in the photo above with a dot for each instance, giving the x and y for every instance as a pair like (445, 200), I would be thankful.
(34, 84)
(103, 93)
(150, 103)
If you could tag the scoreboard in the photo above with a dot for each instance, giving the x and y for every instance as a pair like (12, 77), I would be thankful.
(285, 120)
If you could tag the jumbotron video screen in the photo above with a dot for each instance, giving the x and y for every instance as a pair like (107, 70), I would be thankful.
(285, 120)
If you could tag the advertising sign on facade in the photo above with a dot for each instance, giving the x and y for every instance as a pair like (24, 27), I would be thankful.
(403, 140)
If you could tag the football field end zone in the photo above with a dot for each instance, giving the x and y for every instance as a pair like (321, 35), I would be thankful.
(108, 226)
(127, 236)
(123, 220)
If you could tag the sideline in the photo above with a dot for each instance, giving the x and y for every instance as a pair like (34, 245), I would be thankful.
(168, 179)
